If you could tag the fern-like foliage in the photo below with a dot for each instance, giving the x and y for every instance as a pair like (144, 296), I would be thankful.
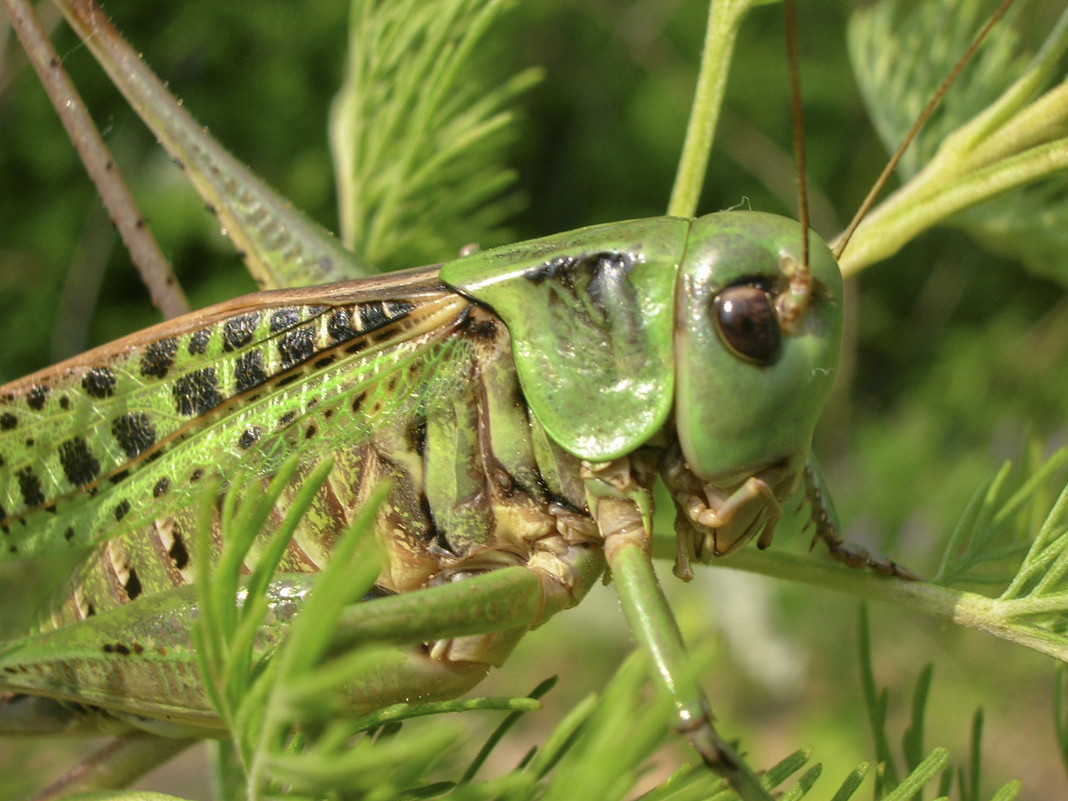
(283, 695)
(281, 687)
(418, 129)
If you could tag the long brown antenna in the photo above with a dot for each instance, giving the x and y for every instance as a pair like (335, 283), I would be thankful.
(884, 176)
(799, 125)
(791, 305)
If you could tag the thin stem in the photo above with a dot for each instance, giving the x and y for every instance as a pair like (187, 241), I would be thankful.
(954, 606)
(724, 19)
(122, 761)
(281, 247)
(155, 270)
(841, 243)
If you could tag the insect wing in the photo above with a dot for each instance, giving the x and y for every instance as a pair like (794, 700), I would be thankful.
(240, 384)
(591, 317)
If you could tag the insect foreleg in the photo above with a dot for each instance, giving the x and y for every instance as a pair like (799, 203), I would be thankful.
(824, 519)
(719, 507)
(714, 521)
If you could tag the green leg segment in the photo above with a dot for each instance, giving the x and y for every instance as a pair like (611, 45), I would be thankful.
(493, 601)
(651, 619)
(472, 625)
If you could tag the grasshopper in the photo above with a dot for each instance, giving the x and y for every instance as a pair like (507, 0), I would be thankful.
(478, 388)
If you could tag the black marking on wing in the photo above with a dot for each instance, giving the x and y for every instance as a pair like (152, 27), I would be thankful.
(296, 346)
(284, 319)
(37, 397)
(197, 393)
(30, 487)
(238, 331)
(99, 383)
(79, 464)
(249, 371)
(339, 326)
(372, 315)
(198, 342)
(134, 433)
(158, 358)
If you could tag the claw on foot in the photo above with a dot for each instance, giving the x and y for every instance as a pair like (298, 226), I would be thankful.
(825, 524)
(858, 558)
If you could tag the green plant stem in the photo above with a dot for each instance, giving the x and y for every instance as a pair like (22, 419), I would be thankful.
(940, 192)
(1017, 140)
(996, 617)
(724, 19)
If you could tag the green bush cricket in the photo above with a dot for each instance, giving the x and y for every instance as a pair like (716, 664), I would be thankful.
(480, 390)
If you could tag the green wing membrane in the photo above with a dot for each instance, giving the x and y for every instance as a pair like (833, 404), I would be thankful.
(591, 317)
(240, 385)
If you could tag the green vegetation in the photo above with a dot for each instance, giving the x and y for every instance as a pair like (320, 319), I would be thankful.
(952, 367)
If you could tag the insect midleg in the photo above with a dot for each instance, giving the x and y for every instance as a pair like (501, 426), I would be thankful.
(621, 509)
(826, 529)
(653, 623)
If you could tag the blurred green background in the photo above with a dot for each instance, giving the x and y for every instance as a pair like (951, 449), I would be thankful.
(954, 357)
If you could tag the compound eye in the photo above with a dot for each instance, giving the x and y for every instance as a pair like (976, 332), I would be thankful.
(746, 321)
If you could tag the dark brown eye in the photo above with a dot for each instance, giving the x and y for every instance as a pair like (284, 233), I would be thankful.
(747, 323)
